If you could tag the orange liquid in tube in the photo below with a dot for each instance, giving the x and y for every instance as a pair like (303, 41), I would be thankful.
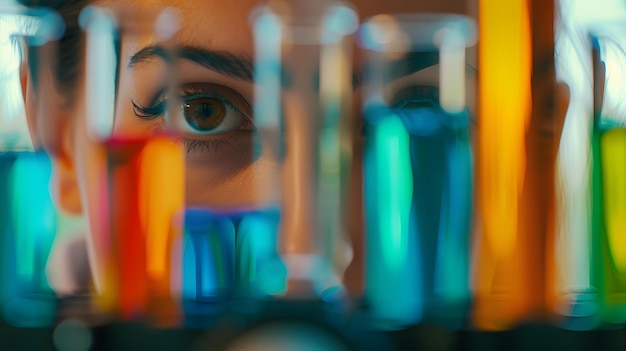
(145, 185)
(503, 280)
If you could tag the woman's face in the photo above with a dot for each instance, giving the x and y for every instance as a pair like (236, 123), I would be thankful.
(224, 168)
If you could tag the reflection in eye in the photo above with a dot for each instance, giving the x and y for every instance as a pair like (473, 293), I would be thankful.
(208, 112)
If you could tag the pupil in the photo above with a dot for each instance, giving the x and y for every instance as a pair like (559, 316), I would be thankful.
(205, 111)
(204, 114)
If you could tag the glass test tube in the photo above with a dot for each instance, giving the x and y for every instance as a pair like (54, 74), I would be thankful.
(230, 261)
(575, 294)
(609, 171)
(28, 217)
(418, 168)
(302, 101)
(136, 174)
(208, 258)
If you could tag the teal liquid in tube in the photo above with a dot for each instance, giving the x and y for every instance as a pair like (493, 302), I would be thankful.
(393, 282)
(260, 272)
(27, 215)
(418, 199)
(441, 217)
(28, 227)
(418, 171)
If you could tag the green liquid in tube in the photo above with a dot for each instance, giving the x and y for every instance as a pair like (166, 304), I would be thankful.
(609, 223)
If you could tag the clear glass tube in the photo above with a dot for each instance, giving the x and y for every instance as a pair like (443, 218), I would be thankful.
(418, 168)
(28, 218)
(302, 101)
(576, 297)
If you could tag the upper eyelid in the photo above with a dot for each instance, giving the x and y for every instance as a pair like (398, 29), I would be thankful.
(191, 90)
(145, 113)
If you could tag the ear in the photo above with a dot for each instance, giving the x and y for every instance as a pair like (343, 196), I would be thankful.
(49, 120)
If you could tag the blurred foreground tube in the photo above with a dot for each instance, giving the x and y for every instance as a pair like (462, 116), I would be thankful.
(302, 104)
(136, 176)
(28, 219)
(418, 168)
(609, 171)
(504, 282)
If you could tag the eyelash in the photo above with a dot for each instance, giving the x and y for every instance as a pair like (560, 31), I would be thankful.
(158, 107)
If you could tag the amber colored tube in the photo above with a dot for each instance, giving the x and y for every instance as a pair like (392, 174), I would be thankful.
(161, 195)
(504, 113)
(146, 190)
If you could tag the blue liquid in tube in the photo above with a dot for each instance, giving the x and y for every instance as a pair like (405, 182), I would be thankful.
(227, 255)
(208, 265)
(27, 231)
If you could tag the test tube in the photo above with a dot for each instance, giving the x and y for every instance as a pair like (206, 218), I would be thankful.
(508, 283)
(28, 217)
(418, 168)
(302, 99)
(136, 172)
(576, 298)
(208, 258)
(609, 171)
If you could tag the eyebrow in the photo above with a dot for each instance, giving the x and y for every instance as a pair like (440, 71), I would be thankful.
(223, 62)
(411, 63)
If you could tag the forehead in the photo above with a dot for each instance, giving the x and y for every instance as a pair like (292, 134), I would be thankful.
(225, 25)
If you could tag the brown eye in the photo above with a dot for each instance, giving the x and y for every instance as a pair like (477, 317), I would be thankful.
(204, 114)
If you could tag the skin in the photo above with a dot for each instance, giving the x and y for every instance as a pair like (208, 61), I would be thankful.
(218, 26)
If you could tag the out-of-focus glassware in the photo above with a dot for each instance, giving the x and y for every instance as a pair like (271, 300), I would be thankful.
(28, 219)
(418, 168)
(303, 82)
(133, 175)
(609, 171)
(508, 280)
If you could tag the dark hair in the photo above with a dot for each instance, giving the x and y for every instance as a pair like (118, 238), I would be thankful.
(70, 46)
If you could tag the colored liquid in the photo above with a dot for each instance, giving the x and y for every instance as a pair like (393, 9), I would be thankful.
(504, 282)
(145, 189)
(27, 231)
(226, 256)
(609, 224)
(208, 257)
(260, 271)
(418, 201)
